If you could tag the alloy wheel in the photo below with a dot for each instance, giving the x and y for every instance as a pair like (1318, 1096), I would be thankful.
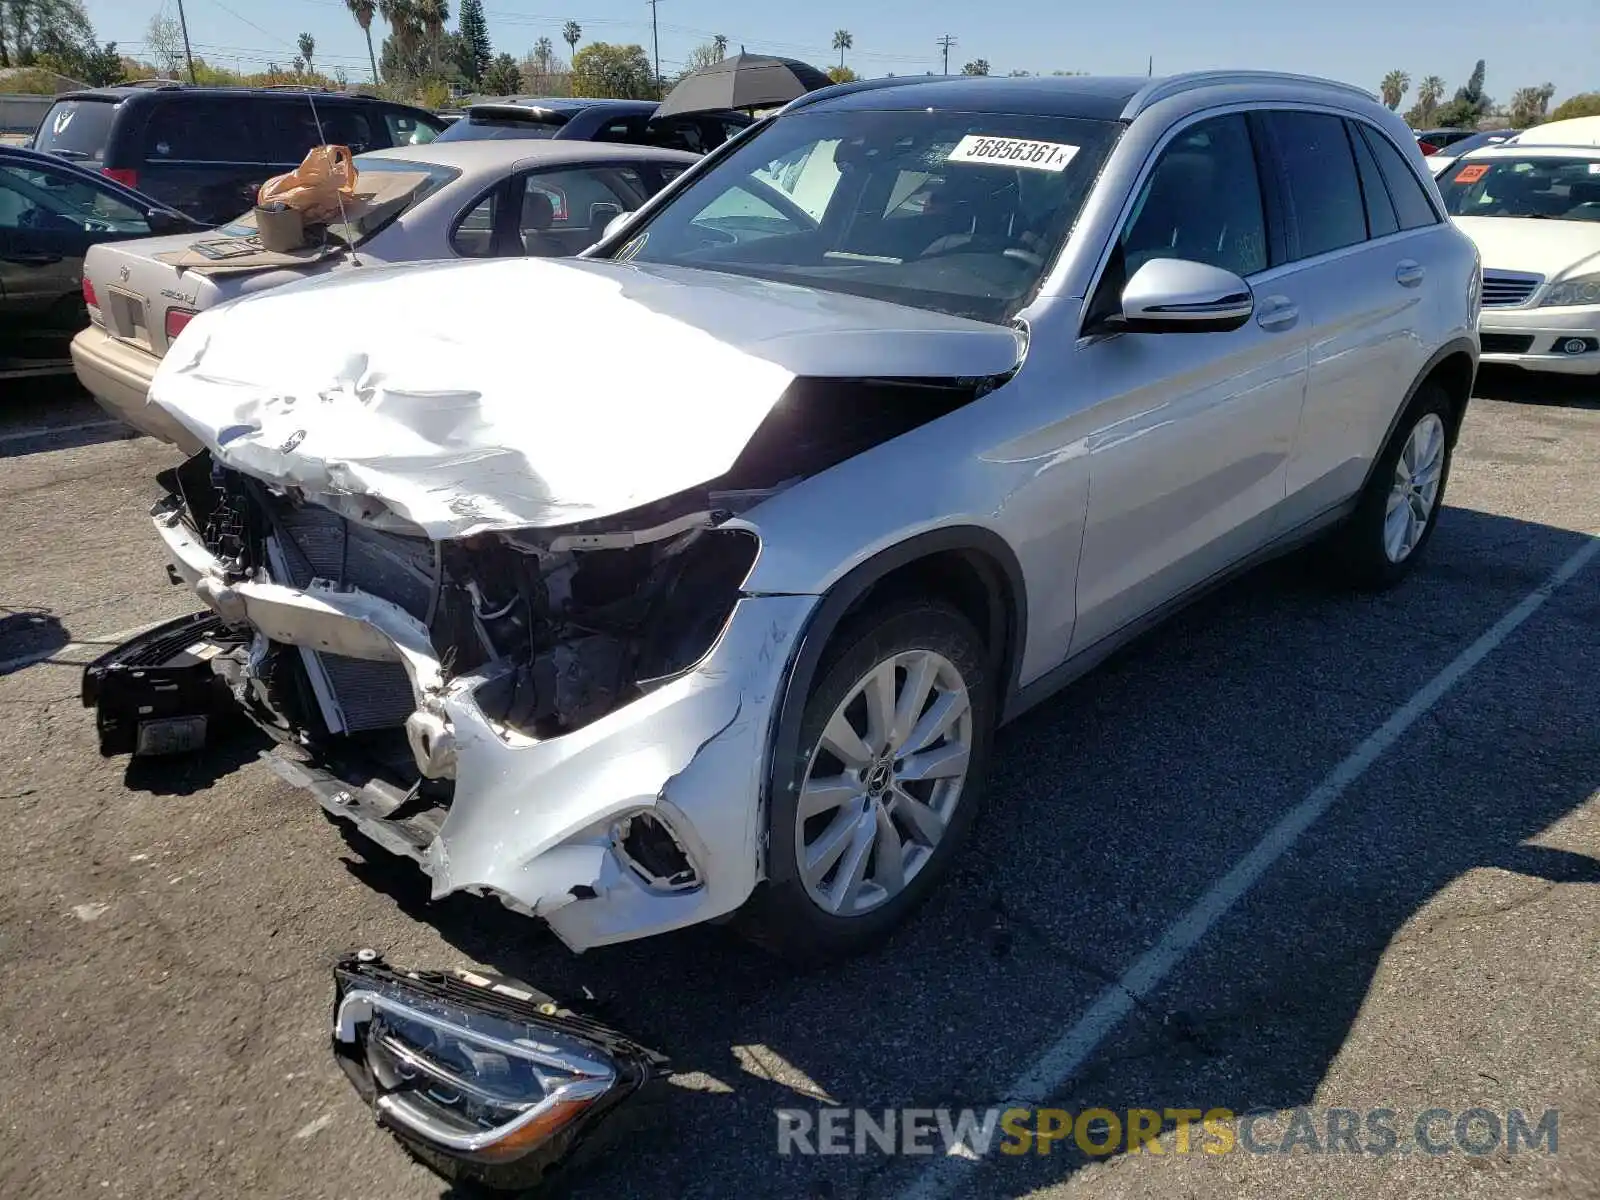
(883, 782)
(1415, 490)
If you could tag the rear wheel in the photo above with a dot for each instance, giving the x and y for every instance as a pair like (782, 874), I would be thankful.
(1397, 513)
(893, 750)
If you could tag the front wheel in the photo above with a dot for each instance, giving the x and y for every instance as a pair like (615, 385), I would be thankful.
(894, 746)
(1398, 511)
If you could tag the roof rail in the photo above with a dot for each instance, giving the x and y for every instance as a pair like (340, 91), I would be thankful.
(1176, 85)
(293, 87)
(154, 81)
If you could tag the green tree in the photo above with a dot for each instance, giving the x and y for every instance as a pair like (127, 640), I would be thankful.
(719, 42)
(476, 52)
(1429, 92)
(978, 66)
(308, 46)
(400, 49)
(570, 33)
(842, 75)
(544, 53)
(434, 14)
(87, 61)
(623, 72)
(363, 11)
(842, 41)
(164, 40)
(1393, 89)
(1584, 104)
(503, 78)
(34, 26)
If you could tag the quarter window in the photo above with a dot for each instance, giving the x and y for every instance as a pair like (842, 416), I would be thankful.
(474, 236)
(1320, 174)
(1410, 201)
(1201, 202)
(1381, 219)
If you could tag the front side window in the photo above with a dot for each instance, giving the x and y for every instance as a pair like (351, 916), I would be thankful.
(957, 212)
(1531, 186)
(1320, 174)
(1201, 202)
(45, 201)
(406, 130)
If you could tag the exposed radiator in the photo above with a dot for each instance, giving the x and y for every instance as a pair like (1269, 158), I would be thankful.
(316, 543)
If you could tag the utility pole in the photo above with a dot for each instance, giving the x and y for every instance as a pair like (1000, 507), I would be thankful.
(655, 44)
(1150, 68)
(944, 44)
(184, 25)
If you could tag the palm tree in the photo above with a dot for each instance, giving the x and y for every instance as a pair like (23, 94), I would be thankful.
(308, 46)
(363, 11)
(719, 43)
(842, 41)
(1429, 93)
(543, 52)
(433, 14)
(405, 27)
(570, 33)
(1394, 87)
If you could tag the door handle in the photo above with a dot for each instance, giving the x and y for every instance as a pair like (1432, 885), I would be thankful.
(1277, 312)
(1409, 273)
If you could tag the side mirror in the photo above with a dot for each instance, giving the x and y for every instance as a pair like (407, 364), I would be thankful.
(1174, 295)
(615, 224)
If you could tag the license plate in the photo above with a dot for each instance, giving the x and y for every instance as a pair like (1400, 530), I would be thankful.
(128, 319)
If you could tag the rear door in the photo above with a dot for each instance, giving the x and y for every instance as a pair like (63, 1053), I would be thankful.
(1364, 307)
(202, 154)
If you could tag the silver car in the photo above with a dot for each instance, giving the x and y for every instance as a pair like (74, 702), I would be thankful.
(441, 200)
(692, 577)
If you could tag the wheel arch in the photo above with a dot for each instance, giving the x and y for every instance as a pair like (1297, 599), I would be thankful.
(1454, 366)
(969, 565)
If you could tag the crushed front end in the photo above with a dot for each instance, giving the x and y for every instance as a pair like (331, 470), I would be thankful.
(573, 721)
(483, 1078)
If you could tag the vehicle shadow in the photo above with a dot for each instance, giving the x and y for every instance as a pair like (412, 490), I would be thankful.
(1525, 387)
(230, 746)
(28, 635)
(52, 412)
(1112, 808)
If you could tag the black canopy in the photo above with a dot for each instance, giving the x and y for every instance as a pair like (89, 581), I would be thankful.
(743, 81)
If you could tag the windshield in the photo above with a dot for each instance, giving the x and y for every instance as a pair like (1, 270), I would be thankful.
(385, 188)
(961, 213)
(1554, 188)
(77, 129)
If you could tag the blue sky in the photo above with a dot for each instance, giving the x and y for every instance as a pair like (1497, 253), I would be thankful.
(1554, 41)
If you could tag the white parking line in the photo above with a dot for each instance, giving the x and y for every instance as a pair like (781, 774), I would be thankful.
(69, 652)
(50, 431)
(1058, 1062)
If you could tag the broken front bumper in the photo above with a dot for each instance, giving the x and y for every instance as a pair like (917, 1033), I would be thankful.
(549, 826)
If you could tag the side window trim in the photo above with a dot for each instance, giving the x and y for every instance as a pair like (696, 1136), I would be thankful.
(1358, 143)
(1275, 208)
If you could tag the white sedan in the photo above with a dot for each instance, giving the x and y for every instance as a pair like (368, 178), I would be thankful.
(467, 199)
(1534, 212)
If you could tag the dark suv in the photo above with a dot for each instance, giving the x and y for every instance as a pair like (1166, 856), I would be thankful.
(629, 121)
(204, 150)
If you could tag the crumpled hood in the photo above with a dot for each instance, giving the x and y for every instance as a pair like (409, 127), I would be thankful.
(529, 392)
(1548, 248)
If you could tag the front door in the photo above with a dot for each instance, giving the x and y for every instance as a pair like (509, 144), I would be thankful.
(1191, 432)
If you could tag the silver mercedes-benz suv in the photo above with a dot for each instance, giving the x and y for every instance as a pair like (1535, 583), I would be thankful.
(692, 577)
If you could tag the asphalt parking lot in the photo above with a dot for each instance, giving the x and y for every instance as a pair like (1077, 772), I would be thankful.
(1294, 849)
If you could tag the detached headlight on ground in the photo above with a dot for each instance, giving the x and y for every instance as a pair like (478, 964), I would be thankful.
(1580, 289)
(483, 1078)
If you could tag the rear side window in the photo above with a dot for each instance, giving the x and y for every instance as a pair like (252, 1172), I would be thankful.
(1381, 220)
(77, 130)
(635, 131)
(203, 129)
(1411, 203)
(1320, 175)
(293, 127)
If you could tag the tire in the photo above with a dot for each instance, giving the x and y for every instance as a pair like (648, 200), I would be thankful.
(924, 640)
(1365, 544)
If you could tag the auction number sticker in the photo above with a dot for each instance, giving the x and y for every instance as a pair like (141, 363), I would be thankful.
(1471, 174)
(1013, 152)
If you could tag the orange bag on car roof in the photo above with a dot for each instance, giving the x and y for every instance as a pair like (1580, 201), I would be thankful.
(315, 188)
